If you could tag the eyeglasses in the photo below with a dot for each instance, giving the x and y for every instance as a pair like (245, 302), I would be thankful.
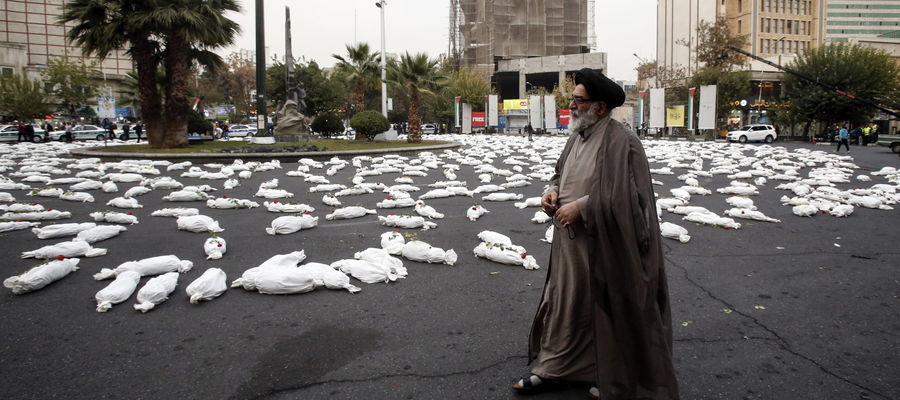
(568, 228)
(581, 100)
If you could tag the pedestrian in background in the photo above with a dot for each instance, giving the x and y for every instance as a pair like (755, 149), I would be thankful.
(112, 130)
(29, 132)
(138, 130)
(22, 135)
(69, 127)
(604, 315)
(843, 139)
(126, 130)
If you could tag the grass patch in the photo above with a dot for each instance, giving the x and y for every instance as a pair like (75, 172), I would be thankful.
(321, 144)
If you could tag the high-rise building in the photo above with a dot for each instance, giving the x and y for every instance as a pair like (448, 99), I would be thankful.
(846, 20)
(30, 35)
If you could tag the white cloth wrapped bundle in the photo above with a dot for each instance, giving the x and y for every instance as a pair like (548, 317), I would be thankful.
(123, 202)
(685, 210)
(156, 291)
(117, 291)
(148, 266)
(505, 254)
(515, 184)
(401, 188)
(317, 179)
(114, 217)
(330, 278)
(175, 212)
(15, 226)
(794, 201)
(548, 235)
(74, 248)
(274, 194)
(746, 213)
(383, 258)
(712, 219)
(290, 224)
(328, 187)
(100, 233)
(198, 223)
(137, 191)
(529, 202)
(416, 250)
(494, 237)
(230, 204)
(392, 202)
(60, 230)
(215, 175)
(842, 210)
(10, 185)
(23, 207)
(446, 184)
(214, 248)
(738, 190)
(248, 279)
(330, 200)
(392, 242)
(436, 194)
(282, 207)
(406, 221)
(199, 188)
(186, 195)
(49, 192)
(672, 231)
(115, 177)
(868, 202)
(365, 271)
(349, 213)
(35, 216)
(285, 280)
(427, 211)
(487, 189)
(165, 183)
(502, 197)
(83, 197)
(269, 184)
(696, 190)
(208, 286)
(459, 191)
(353, 191)
(669, 204)
(245, 174)
(109, 187)
(6, 197)
(178, 166)
(540, 217)
(231, 184)
(41, 275)
(741, 202)
(475, 212)
(805, 210)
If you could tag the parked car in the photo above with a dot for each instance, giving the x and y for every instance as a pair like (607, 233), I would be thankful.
(241, 130)
(753, 133)
(85, 132)
(10, 133)
(891, 141)
(429, 129)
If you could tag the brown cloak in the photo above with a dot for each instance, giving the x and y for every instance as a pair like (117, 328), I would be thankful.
(632, 320)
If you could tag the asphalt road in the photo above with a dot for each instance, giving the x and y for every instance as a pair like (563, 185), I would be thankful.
(805, 319)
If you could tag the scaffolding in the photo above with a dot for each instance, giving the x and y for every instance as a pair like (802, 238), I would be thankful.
(486, 31)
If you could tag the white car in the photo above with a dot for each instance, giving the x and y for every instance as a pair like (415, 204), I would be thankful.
(85, 132)
(429, 129)
(753, 133)
(10, 133)
(241, 130)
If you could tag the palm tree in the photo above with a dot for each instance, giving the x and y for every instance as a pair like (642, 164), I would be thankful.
(361, 69)
(415, 74)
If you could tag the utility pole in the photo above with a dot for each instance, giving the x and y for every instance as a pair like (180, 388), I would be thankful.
(260, 68)
(384, 103)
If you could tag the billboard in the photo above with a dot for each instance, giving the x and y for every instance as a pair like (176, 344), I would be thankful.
(466, 118)
(535, 117)
(657, 108)
(515, 104)
(707, 111)
(478, 119)
(549, 112)
(492, 110)
(675, 116)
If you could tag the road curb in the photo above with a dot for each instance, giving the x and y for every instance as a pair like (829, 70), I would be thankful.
(117, 156)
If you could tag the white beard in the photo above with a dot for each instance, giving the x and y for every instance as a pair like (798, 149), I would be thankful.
(580, 121)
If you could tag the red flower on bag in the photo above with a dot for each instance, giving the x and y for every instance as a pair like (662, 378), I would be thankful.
(34, 204)
(474, 208)
(20, 220)
(49, 209)
(220, 244)
(60, 257)
(275, 201)
(523, 256)
(390, 197)
(224, 197)
(390, 213)
(396, 229)
(128, 213)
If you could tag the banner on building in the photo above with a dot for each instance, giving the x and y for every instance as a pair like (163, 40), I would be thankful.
(675, 116)
(456, 119)
(549, 112)
(466, 118)
(515, 104)
(106, 107)
(564, 117)
(493, 114)
(535, 117)
(658, 108)
(707, 110)
(478, 119)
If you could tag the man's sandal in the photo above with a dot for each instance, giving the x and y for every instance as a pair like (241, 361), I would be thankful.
(531, 383)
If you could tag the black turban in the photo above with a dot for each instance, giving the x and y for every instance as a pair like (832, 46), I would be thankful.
(599, 87)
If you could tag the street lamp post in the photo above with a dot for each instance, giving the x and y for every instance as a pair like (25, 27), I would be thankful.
(384, 102)
(260, 68)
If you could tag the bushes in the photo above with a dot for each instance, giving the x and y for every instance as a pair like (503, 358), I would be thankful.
(369, 123)
(327, 124)
(198, 124)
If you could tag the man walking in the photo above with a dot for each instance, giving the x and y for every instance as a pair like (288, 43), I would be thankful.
(21, 129)
(138, 130)
(29, 132)
(604, 314)
(843, 139)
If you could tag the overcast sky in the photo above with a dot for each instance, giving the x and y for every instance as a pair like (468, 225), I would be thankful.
(321, 28)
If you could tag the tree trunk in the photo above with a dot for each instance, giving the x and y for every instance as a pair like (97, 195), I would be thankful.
(151, 106)
(415, 124)
(178, 68)
(359, 99)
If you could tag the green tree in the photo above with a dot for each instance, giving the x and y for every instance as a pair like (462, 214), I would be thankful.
(327, 123)
(360, 69)
(864, 72)
(730, 86)
(713, 40)
(71, 82)
(322, 93)
(369, 124)
(414, 75)
(468, 85)
(240, 74)
(22, 97)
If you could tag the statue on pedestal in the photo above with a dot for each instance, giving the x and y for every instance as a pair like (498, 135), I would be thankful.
(292, 125)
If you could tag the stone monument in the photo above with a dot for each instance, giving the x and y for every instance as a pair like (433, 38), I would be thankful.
(292, 125)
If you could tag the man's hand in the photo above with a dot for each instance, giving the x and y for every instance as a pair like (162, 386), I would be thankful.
(549, 203)
(568, 214)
